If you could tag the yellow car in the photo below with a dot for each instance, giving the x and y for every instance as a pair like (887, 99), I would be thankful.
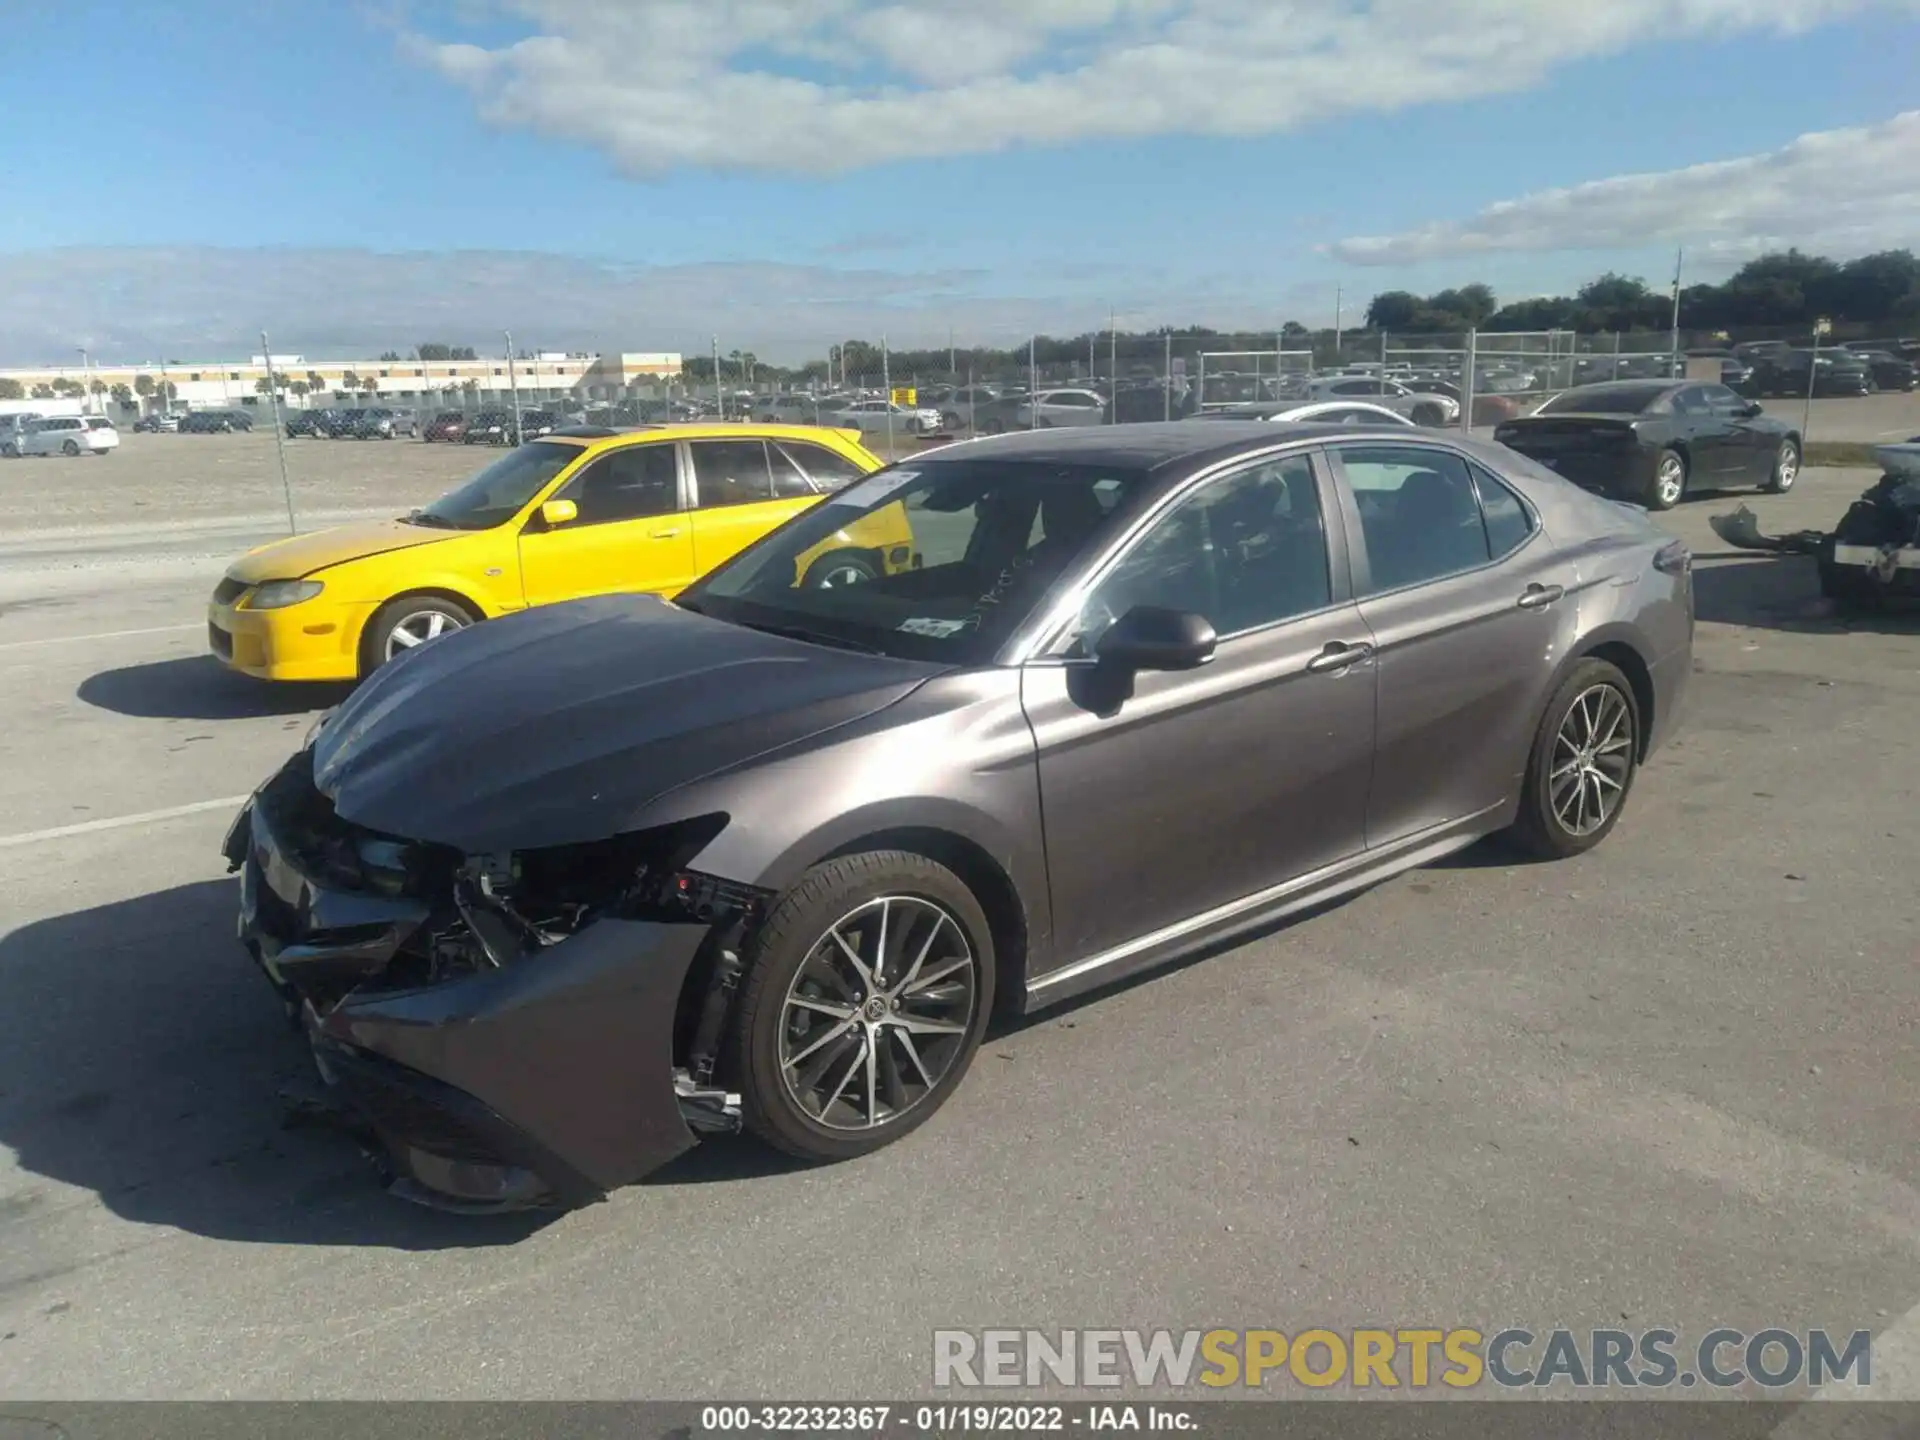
(581, 512)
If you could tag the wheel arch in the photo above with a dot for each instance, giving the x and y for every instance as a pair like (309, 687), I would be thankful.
(435, 591)
(1620, 652)
(991, 885)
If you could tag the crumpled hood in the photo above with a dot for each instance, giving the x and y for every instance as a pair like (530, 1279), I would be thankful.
(558, 724)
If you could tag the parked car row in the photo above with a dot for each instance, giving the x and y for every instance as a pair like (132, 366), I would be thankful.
(194, 422)
(370, 423)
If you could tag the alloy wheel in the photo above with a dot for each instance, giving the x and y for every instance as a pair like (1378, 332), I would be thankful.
(878, 1013)
(1592, 760)
(420, 626)
(1787, 468)
(838, 577)
(1670, 481)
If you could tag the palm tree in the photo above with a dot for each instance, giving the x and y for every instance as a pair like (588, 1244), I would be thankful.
(122, 394)
(315, 380)
(300, 389)
(350, 382)
(143, 386)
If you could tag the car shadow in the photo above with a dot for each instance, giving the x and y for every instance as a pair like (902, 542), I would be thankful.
(199, 687)
(141, 1059)
(1782, 592)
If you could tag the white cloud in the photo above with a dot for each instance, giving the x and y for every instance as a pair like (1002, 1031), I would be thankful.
(133, 304)
(1841, 192)
(834, 85)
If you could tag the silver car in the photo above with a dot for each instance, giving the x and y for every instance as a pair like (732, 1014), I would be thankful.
(877, 417)
(66, 435)
(1421, 407)
(1051, 409)
(1324, 412)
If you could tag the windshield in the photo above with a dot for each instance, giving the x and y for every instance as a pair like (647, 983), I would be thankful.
(500, 491)
(1604, 400)
(931, 560)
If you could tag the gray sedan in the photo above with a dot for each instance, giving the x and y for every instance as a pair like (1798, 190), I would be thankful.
(1241, 669)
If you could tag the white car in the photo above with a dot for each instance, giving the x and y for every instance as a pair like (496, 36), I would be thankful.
(1052, 408)
(871, 417)
(66, 435)
(1423, 408)
(1322, 412)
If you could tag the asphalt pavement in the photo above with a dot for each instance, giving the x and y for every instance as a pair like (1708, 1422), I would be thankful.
(1670, 1083)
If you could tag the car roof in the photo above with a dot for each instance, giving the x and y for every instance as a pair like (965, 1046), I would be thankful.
(1156, 444)
(610, 436)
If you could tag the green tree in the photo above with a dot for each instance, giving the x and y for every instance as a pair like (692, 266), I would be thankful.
(97, 387)
(143, 385)
(1393, 310)
(43, 391)
(122, 394)
(462, 352)
(300, 388)
(389, 356)
(11, 389)
(315, 380)
(350, 382)
(433, 350)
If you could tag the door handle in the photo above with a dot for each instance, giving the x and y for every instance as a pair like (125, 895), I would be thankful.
(664, 534)
(1536, 597)
(1338, 656)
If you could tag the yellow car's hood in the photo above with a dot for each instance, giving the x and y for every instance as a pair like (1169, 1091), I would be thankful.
(299, 555)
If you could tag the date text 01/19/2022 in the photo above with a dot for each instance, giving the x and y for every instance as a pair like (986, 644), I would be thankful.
(940, 1419)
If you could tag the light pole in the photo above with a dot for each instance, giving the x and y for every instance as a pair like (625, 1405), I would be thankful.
(513, 389)
(86, 382)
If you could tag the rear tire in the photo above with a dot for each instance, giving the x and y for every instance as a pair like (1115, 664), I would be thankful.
(783, 1013)
(1581, 768)
(70, 449)
(1786, 469)
(1430, 416)
(840, 569)
(1669, 485)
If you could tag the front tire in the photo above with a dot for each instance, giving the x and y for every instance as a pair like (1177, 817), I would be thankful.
(1786, 469)
(70, 449)
(1430, 416)
(1669, 485)
(1582, 764)
(409, 621)
(869, 987)
(839, 570)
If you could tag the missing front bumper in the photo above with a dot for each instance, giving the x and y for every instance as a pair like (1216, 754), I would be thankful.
(549, 1081)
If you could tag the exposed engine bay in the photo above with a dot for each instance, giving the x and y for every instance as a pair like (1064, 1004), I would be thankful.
(351, 925)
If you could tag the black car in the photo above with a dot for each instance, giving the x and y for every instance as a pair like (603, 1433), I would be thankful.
(341, 424)
(214, 422)
(1650, 441)
(380, 423)
(534, 423)
(312, 424)
(1889, 371)
(1835, 373)
(489, 427)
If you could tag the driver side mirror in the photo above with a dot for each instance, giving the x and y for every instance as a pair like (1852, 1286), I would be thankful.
(559, 512)
(1751, 409)
(1150, 638)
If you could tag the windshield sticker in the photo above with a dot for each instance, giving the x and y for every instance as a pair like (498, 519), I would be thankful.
(877, 487)
(936, 629)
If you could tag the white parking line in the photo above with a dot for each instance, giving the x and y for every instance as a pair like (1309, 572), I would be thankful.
(121, 822)
(98, 635)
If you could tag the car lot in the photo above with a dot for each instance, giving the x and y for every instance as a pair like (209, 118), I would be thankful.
(1669, 1083)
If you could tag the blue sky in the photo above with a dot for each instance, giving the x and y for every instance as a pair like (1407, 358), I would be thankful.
(1207, 160)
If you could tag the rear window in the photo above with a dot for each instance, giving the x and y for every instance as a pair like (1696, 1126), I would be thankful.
(1604, 400)
(98, 424)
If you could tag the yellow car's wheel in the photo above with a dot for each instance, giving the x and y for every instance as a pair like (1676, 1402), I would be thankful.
(409, 621)
(840, 569)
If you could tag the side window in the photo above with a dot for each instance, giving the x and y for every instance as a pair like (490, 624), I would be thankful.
(730, 472)
(1690, 401)
(629, 484)
(789, 480)
(1419, 515)
(1723, 400)
(827, 470)
(1354, 387)
(1508, 521)
(1247, 550)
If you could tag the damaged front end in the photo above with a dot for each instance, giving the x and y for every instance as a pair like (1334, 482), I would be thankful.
(510, 1030)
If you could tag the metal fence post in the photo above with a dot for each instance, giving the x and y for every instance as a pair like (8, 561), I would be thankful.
(1466, 382)
(279, 432)
(1813, 374)
(1033, 382)
(886, 384)
(719, 396)
(1166, 377)
(513, 390)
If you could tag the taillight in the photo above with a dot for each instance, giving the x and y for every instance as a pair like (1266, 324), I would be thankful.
(1674, 558)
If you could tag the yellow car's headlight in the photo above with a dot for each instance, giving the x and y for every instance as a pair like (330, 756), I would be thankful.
(278, 594)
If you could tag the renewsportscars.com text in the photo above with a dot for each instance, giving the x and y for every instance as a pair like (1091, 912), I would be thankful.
(1411, 1358)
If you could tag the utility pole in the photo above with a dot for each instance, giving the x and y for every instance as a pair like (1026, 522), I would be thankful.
(1673, 354)
(1033, 383)
(719, 395)
(1337, 328)
(1113, 363)
(1166, 377)
(953, 370)
(513, 389)
(886, 384)
(279, 433)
